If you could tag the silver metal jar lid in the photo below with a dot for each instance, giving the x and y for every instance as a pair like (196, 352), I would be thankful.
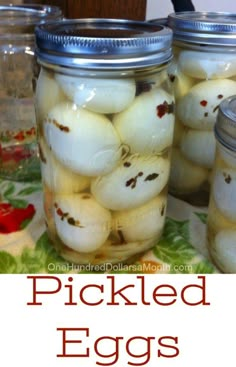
(103, 43)
(225, 127)
(211, 28)
(32, 14)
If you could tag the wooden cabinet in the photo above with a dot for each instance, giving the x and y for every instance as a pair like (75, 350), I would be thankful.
(126, 9)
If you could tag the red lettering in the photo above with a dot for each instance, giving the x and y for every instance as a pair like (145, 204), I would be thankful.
(144, 302)
(66, 341)
(175, 350)
(100, 287)
(203, 293)
(146, 354)
(36, 279)
(115, 292)
(114, 353)
(70, 287)
(171, 293)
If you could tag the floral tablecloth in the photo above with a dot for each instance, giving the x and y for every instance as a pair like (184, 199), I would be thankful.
(25, 247)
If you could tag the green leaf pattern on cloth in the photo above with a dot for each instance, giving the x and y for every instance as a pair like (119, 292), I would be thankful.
(29, 251)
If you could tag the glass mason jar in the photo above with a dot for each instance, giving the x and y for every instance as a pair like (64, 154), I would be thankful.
(203, 73)
(18, 149)
(222, 207)
(105, 116)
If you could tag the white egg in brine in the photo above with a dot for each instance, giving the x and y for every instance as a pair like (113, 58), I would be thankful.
(185, 176)
(98, 95)
(224, 192)
(178, 132)
(57, 177)
(147, 125)
(82, 224)
(199, 147)
(83, 141)
(135, 181)
(48, 93)
(207, 65)
(141, 223)
(199, 107)
(225, 247)
(181, 83)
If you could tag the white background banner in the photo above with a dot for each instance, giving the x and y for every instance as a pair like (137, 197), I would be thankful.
(117, 320)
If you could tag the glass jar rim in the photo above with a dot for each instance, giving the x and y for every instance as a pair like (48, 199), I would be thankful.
(28, 14)
(204, 28)
(101, 43)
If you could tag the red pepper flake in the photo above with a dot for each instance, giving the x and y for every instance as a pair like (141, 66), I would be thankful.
(60, 126)
(164, 108)
(203, 103)
(19, 136)
(220, 96)
(70, 220)
(60, 212)
(32, 131)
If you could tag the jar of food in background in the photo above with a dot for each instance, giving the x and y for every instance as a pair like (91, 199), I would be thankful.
(203, 73)
(18, 149)
(222, 206)
(105, 116)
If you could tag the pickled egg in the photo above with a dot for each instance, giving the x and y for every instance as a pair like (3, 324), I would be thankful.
(98, 95)
(81, 223)
(225, 247)
(178, 132)
(185, 177)
(207, 65)
(224, 191)
(57, 177)
(141, 223)
(199, 147)
(198, 108)
(147, 125)
(48, 94)
(135, 181)
(181, 83)
(216, 220)
(83, 141)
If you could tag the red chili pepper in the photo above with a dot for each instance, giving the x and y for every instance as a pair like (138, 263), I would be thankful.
(59, 212)
(11, 218)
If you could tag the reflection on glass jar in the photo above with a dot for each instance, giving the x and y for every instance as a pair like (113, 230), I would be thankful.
(222, 209)
(203, 73)
(105, 134)
(18, 70)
